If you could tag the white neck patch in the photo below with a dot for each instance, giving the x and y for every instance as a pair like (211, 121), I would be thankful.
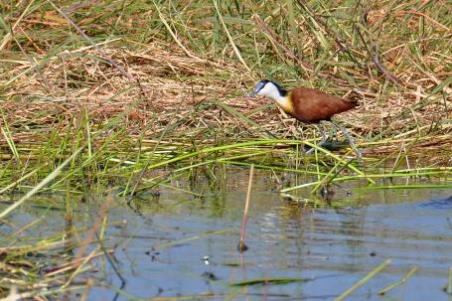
(271, 91)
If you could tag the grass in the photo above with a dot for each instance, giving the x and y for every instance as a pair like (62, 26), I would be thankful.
(363, 280)
(134, 94)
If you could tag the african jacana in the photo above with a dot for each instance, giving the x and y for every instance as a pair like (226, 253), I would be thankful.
(305, 104)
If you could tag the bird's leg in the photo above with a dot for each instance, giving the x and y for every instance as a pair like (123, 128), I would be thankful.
(334, 135)
(322, 132)
(349, 138)
(322, 142)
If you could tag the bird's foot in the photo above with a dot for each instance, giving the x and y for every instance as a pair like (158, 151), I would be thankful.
(328, 144)
(334, 145)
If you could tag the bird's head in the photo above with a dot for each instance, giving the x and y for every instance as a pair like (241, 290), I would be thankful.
(269, 89)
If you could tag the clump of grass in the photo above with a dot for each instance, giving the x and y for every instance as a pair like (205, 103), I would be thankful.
(40, 266)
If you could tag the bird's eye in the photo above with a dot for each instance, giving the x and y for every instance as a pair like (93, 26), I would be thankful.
(259, 86)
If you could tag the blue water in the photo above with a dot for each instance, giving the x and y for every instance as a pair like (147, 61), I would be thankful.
(178, 244)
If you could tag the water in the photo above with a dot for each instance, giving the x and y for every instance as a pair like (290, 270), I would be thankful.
(180, 244)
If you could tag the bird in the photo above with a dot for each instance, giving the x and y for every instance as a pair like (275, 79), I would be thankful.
(306, 104)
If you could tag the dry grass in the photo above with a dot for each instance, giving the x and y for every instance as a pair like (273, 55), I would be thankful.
(73, 83)
(142, 82)
(118, 76)
(40, 73)
(43, 85)
(174, 85)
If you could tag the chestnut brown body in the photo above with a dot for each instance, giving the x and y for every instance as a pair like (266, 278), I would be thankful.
(307, 105)
(310, 105)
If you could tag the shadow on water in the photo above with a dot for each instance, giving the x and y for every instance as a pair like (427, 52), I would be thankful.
(180, 241)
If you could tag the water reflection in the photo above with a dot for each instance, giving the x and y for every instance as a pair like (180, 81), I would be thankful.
(182, 242)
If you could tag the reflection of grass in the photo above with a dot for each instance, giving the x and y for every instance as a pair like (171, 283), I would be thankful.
(152, 92)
